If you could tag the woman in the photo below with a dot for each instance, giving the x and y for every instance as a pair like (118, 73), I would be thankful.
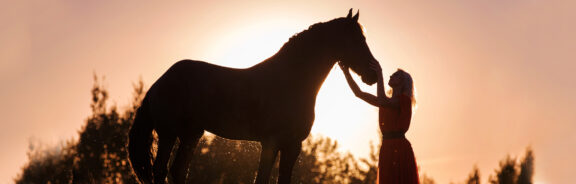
(396, 162)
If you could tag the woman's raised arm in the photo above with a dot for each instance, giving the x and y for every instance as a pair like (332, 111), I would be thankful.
(371, 99)
(383, 100)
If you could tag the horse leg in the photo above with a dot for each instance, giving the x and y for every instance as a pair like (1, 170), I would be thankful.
(165, 144)
(184, 156)
(267, 158)
(288, 156)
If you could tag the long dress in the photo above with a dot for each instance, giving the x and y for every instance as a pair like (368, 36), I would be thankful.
(396, 164)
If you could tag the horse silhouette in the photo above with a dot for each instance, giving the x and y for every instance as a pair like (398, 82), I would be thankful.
(271, 102)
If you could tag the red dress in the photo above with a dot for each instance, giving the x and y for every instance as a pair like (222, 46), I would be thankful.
(396, 164)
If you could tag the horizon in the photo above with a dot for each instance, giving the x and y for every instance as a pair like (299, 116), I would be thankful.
(466, 58)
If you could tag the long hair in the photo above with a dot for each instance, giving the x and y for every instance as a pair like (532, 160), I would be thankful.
(407, 87)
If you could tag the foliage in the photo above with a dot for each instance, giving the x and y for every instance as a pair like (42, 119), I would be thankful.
(101, 150)
(474, 177)
(100, 155)
(506, 174)
(425, 179)
(319, 162)
(527, 168)
(512, 172)
(48, 165)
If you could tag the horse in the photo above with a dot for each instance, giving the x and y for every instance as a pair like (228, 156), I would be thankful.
(271, 102)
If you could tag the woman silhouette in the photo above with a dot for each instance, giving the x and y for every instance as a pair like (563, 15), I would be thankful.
(396, 162)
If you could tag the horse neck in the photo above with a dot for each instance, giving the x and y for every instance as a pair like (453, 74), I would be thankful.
(307, 68)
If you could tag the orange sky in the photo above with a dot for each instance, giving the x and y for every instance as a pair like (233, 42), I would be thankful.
(492, 77)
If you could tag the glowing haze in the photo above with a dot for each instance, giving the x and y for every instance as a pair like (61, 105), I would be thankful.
(492, 77)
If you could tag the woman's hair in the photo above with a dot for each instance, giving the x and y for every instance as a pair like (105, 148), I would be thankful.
(407, 87)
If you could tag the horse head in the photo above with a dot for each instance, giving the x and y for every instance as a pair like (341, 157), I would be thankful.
(350, 48)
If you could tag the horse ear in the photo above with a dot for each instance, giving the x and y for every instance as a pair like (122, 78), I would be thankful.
(355, 18)
(349, 16)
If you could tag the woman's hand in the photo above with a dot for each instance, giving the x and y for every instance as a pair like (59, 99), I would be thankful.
(371, 99)
(345, 69)
(376, 67)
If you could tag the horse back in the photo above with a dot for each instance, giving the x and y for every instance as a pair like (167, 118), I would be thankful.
(186, 91)
(232, 103)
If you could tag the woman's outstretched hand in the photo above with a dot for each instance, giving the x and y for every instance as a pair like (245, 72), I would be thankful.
(376, 67)
(371, 99)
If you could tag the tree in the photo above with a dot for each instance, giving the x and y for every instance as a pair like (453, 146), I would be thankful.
(47, 165)
(474, 177)
(371, 174)
(507, 173)
(220, 160)
(100, 154)
(425, 179)
(511, 172)
(526, 168)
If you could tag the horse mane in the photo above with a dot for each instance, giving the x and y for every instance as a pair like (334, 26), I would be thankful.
(306, 38)
(304, 42)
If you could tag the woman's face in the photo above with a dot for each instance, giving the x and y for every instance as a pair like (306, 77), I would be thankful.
(395, 80)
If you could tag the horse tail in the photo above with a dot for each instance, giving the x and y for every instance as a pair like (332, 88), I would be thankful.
(140, 142)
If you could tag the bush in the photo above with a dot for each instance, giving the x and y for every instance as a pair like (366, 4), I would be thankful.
(100, 155)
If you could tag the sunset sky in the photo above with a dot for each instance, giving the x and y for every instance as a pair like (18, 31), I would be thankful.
(492, 77)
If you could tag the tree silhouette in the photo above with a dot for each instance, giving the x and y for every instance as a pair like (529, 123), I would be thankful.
(101, 150)
(371, 174)
(474, 177)
(526, 168)
(99, 155)
(512, 173)
(507, 173)
(48, 165)
(425, 179)
(319, 162)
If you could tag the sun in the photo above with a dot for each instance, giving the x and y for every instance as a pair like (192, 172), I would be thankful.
(250, 44)
(342, 116)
